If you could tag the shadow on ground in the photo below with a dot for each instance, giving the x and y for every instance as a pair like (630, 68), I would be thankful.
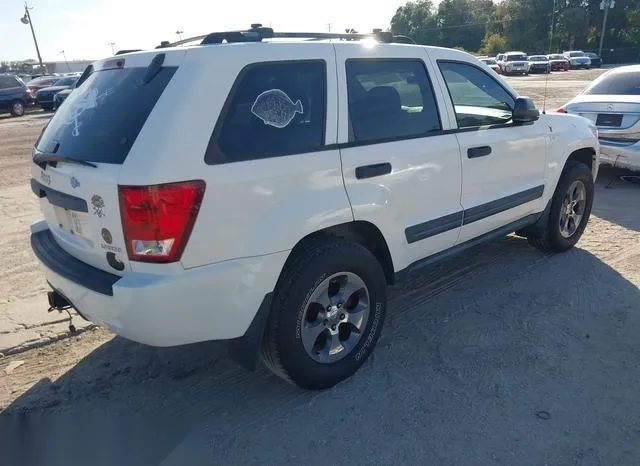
(616, 200)
(503, 356)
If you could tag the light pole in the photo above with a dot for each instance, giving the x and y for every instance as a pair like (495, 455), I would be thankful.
(26, 19)
(64, 55)
(329, 26)
(604, 5)
(113, 50)
(179, 34)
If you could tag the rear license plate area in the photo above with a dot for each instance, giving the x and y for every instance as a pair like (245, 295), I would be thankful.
(609, 119)
(72, 222)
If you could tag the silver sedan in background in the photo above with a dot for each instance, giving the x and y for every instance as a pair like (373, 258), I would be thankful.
(612, 102)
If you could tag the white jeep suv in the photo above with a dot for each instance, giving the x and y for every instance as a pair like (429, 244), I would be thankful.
(266, 192)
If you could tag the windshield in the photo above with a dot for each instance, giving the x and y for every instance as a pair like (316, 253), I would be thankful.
(556, 57)
(538, 58)
(101, 119)
(626, 83)
(489, 61)
(516, 58)
(66, 81)
(41, 81)
(576, 54)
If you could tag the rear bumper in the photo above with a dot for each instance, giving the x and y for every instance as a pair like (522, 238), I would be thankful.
(214, 302)
(624, 156)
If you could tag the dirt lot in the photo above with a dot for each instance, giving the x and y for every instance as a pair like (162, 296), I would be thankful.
(503, 356)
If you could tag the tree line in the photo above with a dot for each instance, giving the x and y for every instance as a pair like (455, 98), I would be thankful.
(532, 26)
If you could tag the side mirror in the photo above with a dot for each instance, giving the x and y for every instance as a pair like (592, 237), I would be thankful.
(524, 111)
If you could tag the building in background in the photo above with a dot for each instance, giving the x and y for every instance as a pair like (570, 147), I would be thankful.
(71, 66)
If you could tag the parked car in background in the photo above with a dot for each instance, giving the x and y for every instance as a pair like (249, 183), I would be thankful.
(577, 59)
(44, 97)
(15, 96)
(558, 62)
(515, 63)
(612, 102)
(39, 83)
(60, 97)
(491, 63)
(539, 64)
(596, 61)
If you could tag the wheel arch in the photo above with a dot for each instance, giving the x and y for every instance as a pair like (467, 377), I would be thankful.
(359, 231)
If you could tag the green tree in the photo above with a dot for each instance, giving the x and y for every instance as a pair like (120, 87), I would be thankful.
(493, 44)
(417, 20)
(527, 24)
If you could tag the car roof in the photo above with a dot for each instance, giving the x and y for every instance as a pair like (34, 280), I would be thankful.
(625, 69)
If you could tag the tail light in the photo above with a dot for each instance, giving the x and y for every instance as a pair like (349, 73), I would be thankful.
(561, 110)
(157, 220)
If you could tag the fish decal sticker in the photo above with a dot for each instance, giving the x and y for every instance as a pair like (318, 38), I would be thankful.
(89, 100)
(275, 108)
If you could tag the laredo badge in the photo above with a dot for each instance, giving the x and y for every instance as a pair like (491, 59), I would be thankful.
(98, 205)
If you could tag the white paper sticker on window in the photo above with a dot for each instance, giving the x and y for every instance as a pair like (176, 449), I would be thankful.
(275, 108)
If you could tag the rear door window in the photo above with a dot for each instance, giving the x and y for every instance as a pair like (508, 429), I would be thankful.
(274, 109)
(8, 82)
(627, 83)
(101, 119)
(390, 99)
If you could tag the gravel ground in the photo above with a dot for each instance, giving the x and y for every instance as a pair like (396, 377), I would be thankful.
(502, 356)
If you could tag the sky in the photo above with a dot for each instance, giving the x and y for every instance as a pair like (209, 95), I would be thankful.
(84, 28)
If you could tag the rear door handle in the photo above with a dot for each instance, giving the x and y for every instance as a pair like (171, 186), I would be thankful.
(481, 151)
(370, 171)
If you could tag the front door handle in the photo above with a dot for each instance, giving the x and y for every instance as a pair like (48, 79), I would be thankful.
(370, 171)
(481, 151)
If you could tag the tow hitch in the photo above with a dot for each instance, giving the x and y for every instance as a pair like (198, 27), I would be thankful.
(59, 303)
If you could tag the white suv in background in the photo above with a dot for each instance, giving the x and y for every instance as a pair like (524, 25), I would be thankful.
(273, 210)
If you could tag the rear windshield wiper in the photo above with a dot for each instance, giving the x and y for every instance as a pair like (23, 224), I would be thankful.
(43, 158)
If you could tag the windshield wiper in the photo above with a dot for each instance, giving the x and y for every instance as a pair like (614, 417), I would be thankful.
(43, 158)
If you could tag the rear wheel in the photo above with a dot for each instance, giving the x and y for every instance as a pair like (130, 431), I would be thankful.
(17, 108)
(327, 315)
(570, 210)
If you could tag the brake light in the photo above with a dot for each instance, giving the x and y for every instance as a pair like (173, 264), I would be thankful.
(561, 110)
(157, 220)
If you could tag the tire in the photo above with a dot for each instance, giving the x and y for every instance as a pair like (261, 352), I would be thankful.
(284, 350)
(17, 108)
(552, 238)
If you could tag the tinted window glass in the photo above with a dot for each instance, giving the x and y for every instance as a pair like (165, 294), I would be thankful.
(390, 99)
(65, 82)
(8, 82)
(275, 109)
(516, 58)
(478, 99)
(627, 83)
(100, 120)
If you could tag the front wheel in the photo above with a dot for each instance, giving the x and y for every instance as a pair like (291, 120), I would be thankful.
(17, 108)
(327, 314)
(570, 210)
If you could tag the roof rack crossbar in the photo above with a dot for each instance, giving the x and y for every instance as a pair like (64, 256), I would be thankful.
(257, 33)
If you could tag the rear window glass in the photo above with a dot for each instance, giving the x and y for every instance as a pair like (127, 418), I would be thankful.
(101, 119)
(516, 58)
(617, 84)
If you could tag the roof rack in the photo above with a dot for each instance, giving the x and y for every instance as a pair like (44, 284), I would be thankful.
(257, 33)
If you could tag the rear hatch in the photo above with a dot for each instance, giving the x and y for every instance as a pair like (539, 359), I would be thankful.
(79, 156)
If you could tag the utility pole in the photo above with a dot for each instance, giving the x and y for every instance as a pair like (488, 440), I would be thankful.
(64, 55)
(113, 50)
(26, 19)
(553, 19)
(329, 26)
(604, 5)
